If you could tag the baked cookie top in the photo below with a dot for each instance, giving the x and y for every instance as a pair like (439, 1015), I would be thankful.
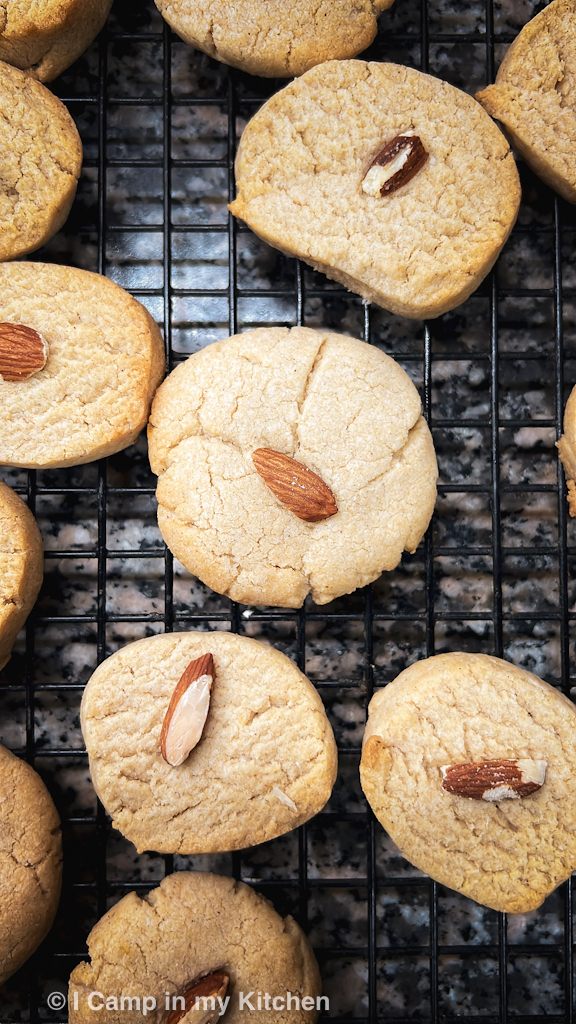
(337, 406)
(266, 761)
(105, 359)
(45, 37)
(21, 567)
(535, 95)
(30, 862)
(457, 709)
(567, 450)
(273, 38)
(40, 162)
(192, 925)
(418, 251)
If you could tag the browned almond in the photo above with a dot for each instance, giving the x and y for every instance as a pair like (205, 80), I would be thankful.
(187, 711)
(494, 780)
(301, 490)
(395, 165)
(22, 352)
(200, 1000)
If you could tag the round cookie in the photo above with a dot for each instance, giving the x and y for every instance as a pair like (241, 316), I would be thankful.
(534, 96)
(44, 38)
(40, 162)
(272, 38)
(457, 709)
(334, 404)
(567, 450)
(265, 764)
(419, 250)
(193, 924)
(105, 360)
(30, 862)
(21, 567)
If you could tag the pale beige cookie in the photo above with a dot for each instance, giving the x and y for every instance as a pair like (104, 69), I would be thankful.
(273, 38)
(419, 250)
(40, 162)
(105, 360)
(192, 925)
(30, 862)
(337, 406)
(567, 450)
(43, 37)
(21, 567)
(266, 761)
(463, 709)
(534, 96)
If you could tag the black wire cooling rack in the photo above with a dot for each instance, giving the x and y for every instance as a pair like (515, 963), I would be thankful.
(159, 124)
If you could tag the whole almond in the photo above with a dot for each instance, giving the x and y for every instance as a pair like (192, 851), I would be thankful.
(494, 780)
(296, 486)
(395, 165)
(187, 711)
(23, 352)
(209, 988)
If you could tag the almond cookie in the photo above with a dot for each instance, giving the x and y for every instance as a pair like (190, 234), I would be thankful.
(265, 762)
(272, 38)
(44, 38)
(79, 362)
(567, 450)
(389, 181)
(196, 926)
(30, 862)
(469, 763)
(40, 162)
(330, 417)
(534, 96)
(21, 567)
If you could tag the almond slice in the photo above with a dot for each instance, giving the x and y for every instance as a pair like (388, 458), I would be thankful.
(23, 352)
(187, 712)
(395, 165)
(201, 1000)
(284, 798)
(494, 780)
(296, 486)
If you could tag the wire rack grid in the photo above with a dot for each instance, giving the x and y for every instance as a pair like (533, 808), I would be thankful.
(159, 124)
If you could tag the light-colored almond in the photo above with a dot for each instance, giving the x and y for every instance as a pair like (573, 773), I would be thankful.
(494, 780)
(284, 798)
(23, 352)
(201, 1004)
(395, 165)
(187, 712)
(296, 486)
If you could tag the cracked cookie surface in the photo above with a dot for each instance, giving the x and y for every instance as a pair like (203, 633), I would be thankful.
(43, 37)
(21, 567)
(534, 96)
(337, 405)
(40, 162)
(105, 360)
(272, 38)
(193, 924)
(465, 708)
(418, 251)
(30, 862)
(265, 764)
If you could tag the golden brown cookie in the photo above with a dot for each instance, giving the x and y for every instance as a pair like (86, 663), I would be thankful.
(43, 37)
(273, 38)
(465, 710)
(425, 244)
(266, 761)
(193, 925)
(105, 358)
(40, 161)
(567, 450)
(21, 567)
(30, 862)
(534, 96)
